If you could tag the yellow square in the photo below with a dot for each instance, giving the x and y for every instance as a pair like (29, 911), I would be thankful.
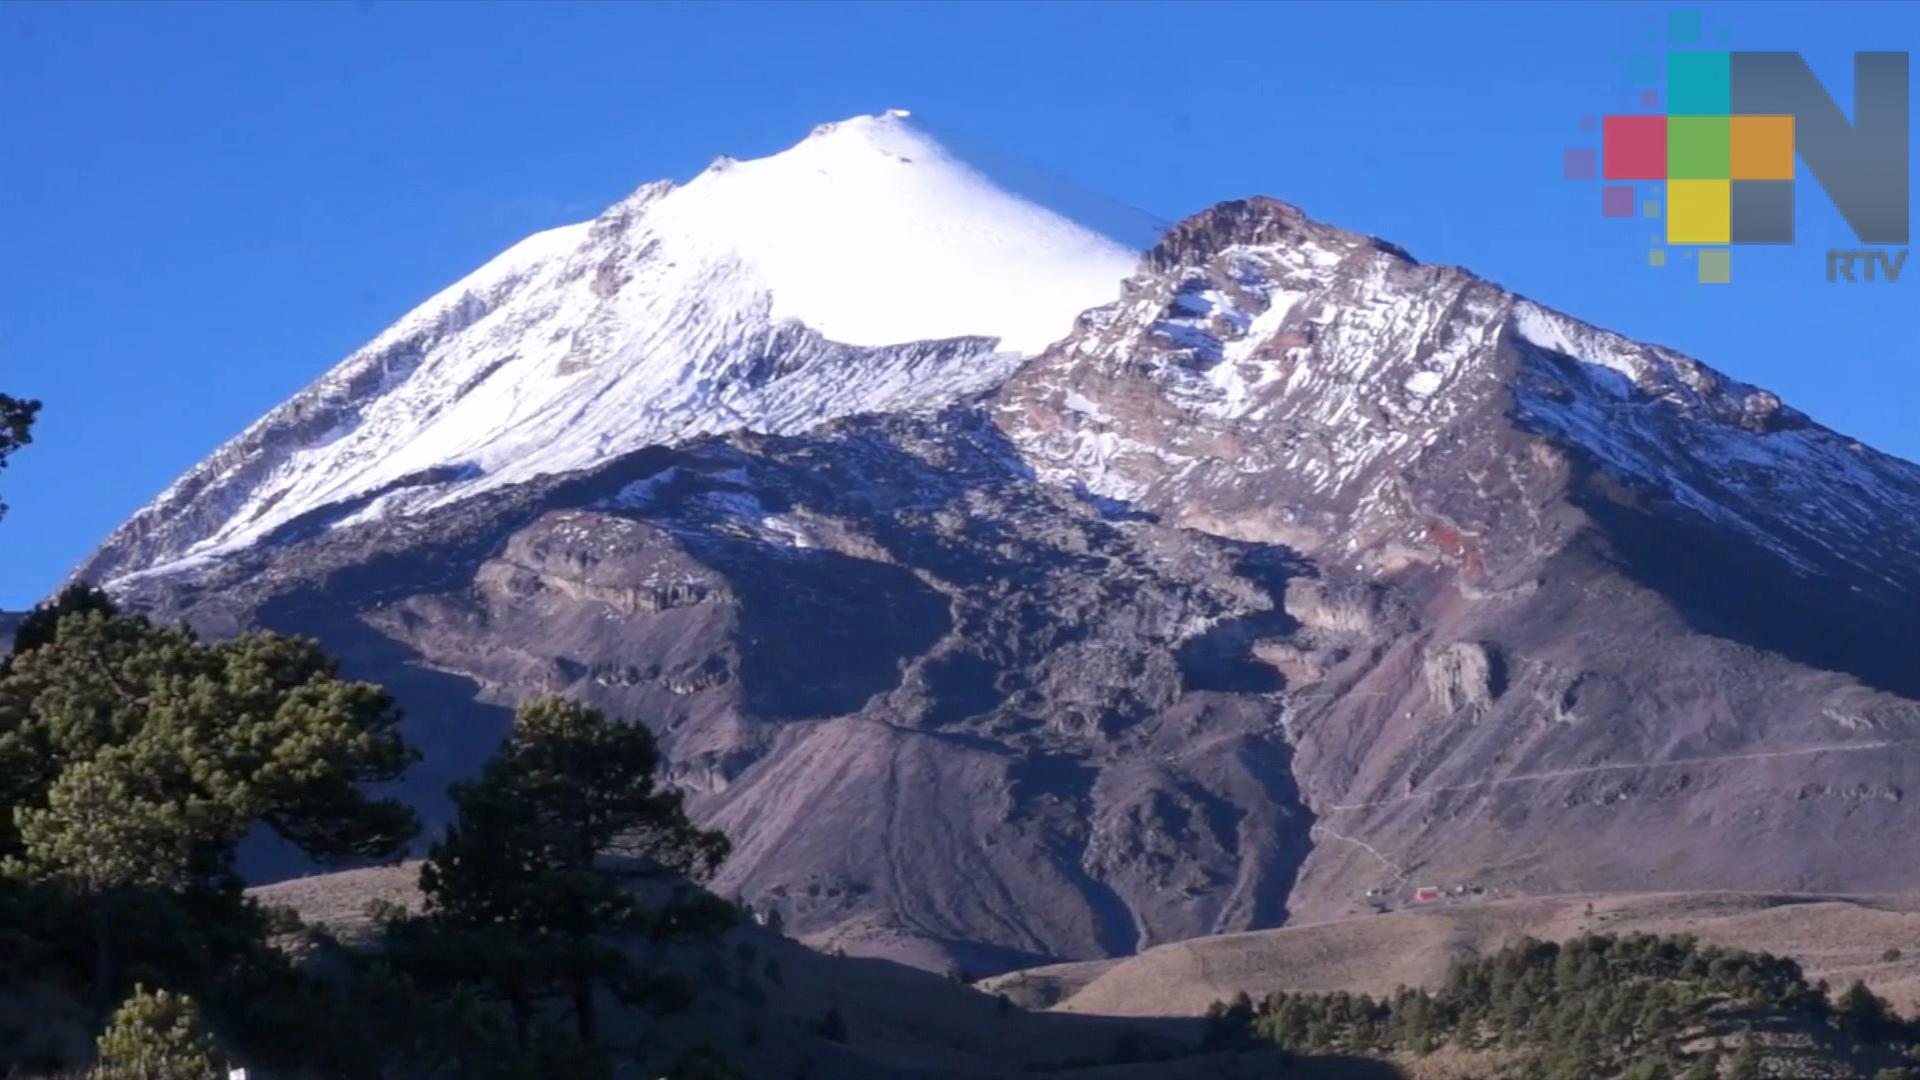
(1699, 211)
(1762, 147)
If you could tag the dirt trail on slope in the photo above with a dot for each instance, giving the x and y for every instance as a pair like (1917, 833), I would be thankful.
(1557, 774)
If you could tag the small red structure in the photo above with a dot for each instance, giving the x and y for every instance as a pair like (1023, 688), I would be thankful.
(1426, 895)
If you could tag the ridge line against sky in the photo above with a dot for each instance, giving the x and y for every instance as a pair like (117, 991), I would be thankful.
(205, 207)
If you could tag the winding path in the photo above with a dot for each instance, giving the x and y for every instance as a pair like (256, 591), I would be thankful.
(1399, 872)
(1556, 774)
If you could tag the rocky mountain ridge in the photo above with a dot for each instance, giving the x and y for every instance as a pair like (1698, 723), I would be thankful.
(1299, 575)
(1592, 572)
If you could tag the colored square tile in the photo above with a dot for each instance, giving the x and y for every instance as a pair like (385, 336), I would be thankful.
(1634, 147)
(1649, 99)
(1578, 163)
(1650, 208)
(1762, 211)
(1683, 27)
(1643, 69)
(1589, 123)
(1762, 148)
(1657, 257)
(1698, 147)
(1716, 266)
(1698, 212)
(1699, 83)
(1616, 200)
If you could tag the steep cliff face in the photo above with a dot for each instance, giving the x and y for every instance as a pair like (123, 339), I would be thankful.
(1298, 571)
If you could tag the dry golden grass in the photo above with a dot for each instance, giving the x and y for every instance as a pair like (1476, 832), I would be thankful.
(1837, 938)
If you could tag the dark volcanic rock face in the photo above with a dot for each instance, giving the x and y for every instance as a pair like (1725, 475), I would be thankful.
(931, 699)
(1301, 570)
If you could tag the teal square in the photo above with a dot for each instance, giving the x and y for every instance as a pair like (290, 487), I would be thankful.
(1643, 69)
(1683, 27)
(1699, 84)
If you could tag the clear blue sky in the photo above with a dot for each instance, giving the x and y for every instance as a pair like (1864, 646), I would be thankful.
(202, 207)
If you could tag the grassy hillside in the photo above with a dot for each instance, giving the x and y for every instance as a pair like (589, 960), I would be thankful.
(1875, 939)
(762, 998)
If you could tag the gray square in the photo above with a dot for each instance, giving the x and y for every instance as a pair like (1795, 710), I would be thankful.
(1762, 211)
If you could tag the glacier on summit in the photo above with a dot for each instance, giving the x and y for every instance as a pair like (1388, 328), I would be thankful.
(867, 268)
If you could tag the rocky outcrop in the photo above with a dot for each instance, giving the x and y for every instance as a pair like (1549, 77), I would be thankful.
(1466, 676)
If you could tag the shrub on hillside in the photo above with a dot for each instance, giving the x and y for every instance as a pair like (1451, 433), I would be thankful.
(156, 1035)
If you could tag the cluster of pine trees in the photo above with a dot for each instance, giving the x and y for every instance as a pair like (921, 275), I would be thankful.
(1636, 1006)
(135, 758)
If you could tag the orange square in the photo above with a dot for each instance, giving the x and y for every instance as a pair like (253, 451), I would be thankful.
(1763, 147)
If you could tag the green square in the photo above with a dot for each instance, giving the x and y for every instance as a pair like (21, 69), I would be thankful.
(1657, 257)
(1699, 83)
(1699, 147)
(1716, 266)
(1650, 208)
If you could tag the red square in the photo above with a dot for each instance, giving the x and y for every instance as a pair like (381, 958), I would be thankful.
(1636, 148)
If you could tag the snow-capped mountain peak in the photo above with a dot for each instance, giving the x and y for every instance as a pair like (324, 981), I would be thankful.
(869, 268)
(828, 226)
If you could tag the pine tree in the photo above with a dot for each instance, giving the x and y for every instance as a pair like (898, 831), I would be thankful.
(1746, 1061)
(256, 730)
(832, 1025)
(547, 845)
(39, 626)
(135, 758)
(1705, 1067)
(156, 1035)
(16, 429)
(1660, 1018)
(1228, 1023)
(1649, 1068)
(1864, 1013)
